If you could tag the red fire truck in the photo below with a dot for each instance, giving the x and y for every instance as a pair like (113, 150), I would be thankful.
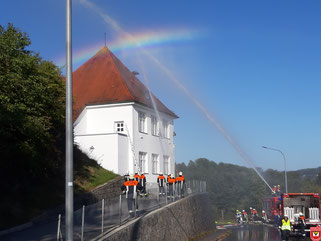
(291, 204)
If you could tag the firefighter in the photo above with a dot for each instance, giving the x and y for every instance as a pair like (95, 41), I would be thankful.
(238, 216)
(131, 188)
(255, 215)
(264, 217)
(126, 176)
(244, 215)
(161, 184)
(276, 217)
(171, 185)
(168, 176)
(142, 182)
(136, 176)
(302, 224)
(251, 214)
(180, 183)
(285, 228)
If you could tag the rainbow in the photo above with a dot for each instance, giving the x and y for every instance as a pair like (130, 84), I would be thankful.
(137, 40)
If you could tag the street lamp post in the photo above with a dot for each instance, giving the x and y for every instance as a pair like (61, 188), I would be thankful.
(285, 173)
(69, 202)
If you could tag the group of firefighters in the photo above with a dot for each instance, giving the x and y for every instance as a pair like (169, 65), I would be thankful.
(135, 185)
(283, 224)
(251, 217)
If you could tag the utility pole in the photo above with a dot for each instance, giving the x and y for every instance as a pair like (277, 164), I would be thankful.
(69, 202)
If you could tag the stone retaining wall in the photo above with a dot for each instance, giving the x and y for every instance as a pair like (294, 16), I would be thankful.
(182, 220)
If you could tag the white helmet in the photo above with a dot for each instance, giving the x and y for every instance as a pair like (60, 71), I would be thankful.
(180, 173)
(300, 213)
(263, 211)
(131, 176)
(286, 216)
(250, 207)
(243, 210)
(161, 173)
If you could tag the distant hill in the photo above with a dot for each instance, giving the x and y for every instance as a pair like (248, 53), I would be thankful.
(311, 173)
(234, 187)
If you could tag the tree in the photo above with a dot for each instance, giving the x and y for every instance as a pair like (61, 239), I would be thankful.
(31, 117)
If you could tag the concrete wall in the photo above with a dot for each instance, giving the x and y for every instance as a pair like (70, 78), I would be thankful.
(182, 220)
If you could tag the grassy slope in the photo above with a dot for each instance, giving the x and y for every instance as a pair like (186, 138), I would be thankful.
(98, 176)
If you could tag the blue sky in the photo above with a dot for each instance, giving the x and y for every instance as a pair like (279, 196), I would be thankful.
(254, 65)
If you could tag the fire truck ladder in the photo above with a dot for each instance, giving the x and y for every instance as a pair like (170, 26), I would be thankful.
(132, 148)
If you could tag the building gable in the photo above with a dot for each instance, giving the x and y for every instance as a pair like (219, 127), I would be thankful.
(104, 79)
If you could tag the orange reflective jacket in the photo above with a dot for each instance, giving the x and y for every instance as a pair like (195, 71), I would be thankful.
(180, 179)
(161, 177)
(172, 180)
(168, 177)
(130, 183)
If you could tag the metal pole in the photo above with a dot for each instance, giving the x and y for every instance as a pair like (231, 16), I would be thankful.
(82, 223)
(58, 230)
(285, 172)
(166, 190)
(69, 129)
(102, 215)
(135, 206)
(120, 210)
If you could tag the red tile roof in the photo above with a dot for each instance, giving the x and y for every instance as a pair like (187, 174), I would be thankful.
(104, 79)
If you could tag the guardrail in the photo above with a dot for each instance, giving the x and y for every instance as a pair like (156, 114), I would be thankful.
(102, 217)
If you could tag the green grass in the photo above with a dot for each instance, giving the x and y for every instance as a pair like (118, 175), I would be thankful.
(98, 176)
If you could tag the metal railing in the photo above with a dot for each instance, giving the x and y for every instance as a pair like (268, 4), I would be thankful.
(95, 220)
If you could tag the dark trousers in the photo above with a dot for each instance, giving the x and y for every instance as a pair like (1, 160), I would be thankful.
(301, 227)
(143, 191)
(285, 234)
(170, 190)
(161, 190)
(180, 188)
(131, 203)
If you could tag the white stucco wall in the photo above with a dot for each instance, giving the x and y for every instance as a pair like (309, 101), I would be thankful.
(146, 142)
(109, 150)
(96, 127)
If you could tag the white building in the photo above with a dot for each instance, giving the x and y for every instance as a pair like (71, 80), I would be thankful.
(115, 121)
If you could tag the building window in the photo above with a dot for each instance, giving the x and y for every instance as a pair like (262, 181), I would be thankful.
(142, 162)
(119, 127)
(155, 126)
(166, 165)
(154, 163)
(166, 128)
(142, 122)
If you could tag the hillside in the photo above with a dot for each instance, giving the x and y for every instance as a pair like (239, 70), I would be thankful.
(234, 187)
